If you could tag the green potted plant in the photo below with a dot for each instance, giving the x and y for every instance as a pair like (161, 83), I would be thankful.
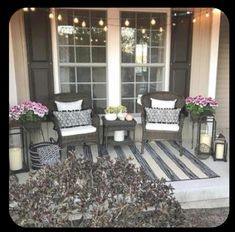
(110, 113)
(121, 112)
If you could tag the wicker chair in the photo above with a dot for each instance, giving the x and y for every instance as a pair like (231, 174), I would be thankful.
(162, 134)
(64, 141)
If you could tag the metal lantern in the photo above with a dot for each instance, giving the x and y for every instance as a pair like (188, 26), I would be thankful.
(220, 148)
(206, 135)
(18, 155)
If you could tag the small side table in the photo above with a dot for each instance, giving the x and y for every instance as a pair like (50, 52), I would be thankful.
(116, 125)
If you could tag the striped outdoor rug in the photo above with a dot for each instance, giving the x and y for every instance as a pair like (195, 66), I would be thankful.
(160, 159)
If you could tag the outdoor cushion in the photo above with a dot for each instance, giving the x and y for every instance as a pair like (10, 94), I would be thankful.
(155, 103)
(74, 105)
(160, 115)
(74, 118)
(78, 130)
(162, 126)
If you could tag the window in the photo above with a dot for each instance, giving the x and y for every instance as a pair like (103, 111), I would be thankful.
(143, 48)
(81, 36)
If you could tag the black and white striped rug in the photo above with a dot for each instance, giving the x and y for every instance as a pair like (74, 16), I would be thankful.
(160, 159)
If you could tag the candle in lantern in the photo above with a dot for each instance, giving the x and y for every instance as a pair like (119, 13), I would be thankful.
(206, 139)
(15, 156)
(219, 151)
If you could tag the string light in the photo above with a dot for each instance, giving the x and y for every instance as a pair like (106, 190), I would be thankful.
(51, 16)
(32, 8)
(101, 22)
(143, 31)
(75, 20)
(25, 9)
(105, 28)
(127, 23)
(153, 21)
(204, 12)
(59, 17)
(83, 24)
(161, 29)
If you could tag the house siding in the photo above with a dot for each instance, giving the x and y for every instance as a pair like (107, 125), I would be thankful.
(200, 54)
(222, 87)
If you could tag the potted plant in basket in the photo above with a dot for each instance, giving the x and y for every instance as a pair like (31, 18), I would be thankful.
(29, 113)
(199, 105)
(110, 113)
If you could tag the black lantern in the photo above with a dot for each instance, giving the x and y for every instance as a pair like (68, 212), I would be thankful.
(18, 154)
(206, 134)
(220, 148)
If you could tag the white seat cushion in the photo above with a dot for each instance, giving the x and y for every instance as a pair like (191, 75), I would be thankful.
(162, 126)
(78, 130)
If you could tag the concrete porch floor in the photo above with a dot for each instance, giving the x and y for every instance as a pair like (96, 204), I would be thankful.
(202, 193)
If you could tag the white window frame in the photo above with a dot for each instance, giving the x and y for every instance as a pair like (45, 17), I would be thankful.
(113, 50)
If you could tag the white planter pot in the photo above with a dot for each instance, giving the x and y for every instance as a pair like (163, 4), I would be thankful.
(119, 135)
(111, 117)
(121, 116)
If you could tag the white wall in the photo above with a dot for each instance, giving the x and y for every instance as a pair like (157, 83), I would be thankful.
(18, 58)
(200, 54)
(12, 81)
(222, 88)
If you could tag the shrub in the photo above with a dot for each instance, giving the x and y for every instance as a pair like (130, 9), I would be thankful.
(80, 193)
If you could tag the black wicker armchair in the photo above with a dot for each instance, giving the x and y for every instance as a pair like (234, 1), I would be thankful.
(81, 134)
(158, 134)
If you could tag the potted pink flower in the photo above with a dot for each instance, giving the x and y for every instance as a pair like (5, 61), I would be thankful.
(201, 105)
(28, 112)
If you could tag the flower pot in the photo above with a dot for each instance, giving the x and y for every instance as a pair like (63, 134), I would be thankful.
(32, 125)
(111, 116)
(121, 116)
(119, 135)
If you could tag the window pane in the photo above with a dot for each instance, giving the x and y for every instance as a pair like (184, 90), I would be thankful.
(130, 17)
(127, 74)
(66, 54)
(143, 36)
(67, 74)
(83, 74)
(128, 44)
(158, 38)
(99, 106)
(156, 74)
(98, 36)
(127, 90)
(83, 55)
(143, 20)
(68, 88)
(156, 87)
(82, 37)
(141, 88)
(98, 55)
(157, 55)
(141, 74)
(99, 90)
(99, 74)
(129, 104)
(65, 39)
(138, 107)
(84, 89)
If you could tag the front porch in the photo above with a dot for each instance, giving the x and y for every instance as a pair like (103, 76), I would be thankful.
(201, 193)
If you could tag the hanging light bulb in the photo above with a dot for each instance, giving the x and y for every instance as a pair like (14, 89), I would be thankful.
(105, 28)
(153, 21)
(101, 22)
(207, 14)
(75, 20)
(127, 23)
(161, 29)
(194, 20)
(59, 17)
(143, 31)
(25, 9)
(32, 8)
(51, 16)
(188, 12)
(173, 24)
(83, 23)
